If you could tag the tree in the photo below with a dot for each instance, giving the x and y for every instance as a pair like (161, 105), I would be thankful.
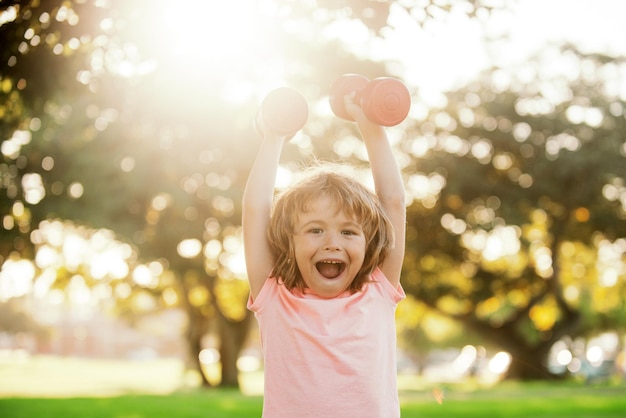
(113, 135)
(516, 188)
(14, 320)
(148, 133)
(88, 143)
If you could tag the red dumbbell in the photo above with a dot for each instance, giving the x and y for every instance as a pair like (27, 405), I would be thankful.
(384, 100)
(284, 111)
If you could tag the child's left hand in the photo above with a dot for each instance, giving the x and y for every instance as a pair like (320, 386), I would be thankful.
(353, 108)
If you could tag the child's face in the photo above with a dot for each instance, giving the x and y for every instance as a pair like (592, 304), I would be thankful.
(329, 248)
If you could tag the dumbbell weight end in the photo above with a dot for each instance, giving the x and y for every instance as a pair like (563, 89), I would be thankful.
(284, 112)
(386, 101)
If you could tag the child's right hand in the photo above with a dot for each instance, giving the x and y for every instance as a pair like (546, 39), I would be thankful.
(272, 136)
(267, 134)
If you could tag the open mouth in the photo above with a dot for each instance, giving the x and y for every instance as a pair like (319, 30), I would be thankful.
(330, 268)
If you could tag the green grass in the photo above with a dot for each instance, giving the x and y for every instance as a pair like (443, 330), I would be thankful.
(214, 404)
(511, 401)
(517, 400)
(66, 388)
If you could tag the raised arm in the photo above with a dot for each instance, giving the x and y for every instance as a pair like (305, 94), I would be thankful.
(388, 184)
(256, 207)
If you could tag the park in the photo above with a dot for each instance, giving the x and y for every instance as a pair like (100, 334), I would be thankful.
(78, 388)
(127, 133)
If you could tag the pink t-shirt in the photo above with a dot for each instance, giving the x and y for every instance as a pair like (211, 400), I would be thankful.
(328, 358)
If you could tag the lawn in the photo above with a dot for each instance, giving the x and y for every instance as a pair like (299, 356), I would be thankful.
(517, 400)
(67, 388)
(546, 401)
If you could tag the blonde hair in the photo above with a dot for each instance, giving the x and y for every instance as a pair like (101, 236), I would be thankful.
(352, 197)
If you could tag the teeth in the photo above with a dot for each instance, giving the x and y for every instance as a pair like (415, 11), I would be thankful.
(331, 262)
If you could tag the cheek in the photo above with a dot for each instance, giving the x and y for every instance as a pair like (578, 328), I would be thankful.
(358, 250)
(301, 248)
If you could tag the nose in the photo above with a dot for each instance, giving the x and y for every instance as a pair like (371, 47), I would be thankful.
(331, 243)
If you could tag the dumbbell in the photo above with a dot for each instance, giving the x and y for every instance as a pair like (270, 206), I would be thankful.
(384, 100)
(283, 111)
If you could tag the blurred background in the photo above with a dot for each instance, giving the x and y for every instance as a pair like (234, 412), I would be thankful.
(126, 137)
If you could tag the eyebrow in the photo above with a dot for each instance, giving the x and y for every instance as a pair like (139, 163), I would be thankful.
(323, 223)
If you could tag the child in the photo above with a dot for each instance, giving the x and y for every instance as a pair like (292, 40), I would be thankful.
(324, 267)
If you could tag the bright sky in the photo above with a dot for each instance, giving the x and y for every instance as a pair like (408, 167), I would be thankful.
(594, 25)
(452, 51)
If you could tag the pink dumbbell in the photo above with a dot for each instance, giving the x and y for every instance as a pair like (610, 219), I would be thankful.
(384, 100)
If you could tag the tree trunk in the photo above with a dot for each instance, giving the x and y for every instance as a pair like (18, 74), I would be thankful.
(195, 331)
(232, 337)
(529, 364)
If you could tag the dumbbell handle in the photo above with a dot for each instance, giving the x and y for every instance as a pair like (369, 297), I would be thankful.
(343, 86)
(384, 100)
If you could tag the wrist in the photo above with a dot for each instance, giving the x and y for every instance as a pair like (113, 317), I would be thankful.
(369, 128)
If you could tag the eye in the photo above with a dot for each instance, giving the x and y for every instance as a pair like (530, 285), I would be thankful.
(350, 232)
(315, 230)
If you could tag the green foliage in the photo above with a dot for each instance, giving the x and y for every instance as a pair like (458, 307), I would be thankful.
(513, 157)
(156, 153)
(160, 153)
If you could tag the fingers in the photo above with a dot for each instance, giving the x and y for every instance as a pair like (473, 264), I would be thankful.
(352, 107)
